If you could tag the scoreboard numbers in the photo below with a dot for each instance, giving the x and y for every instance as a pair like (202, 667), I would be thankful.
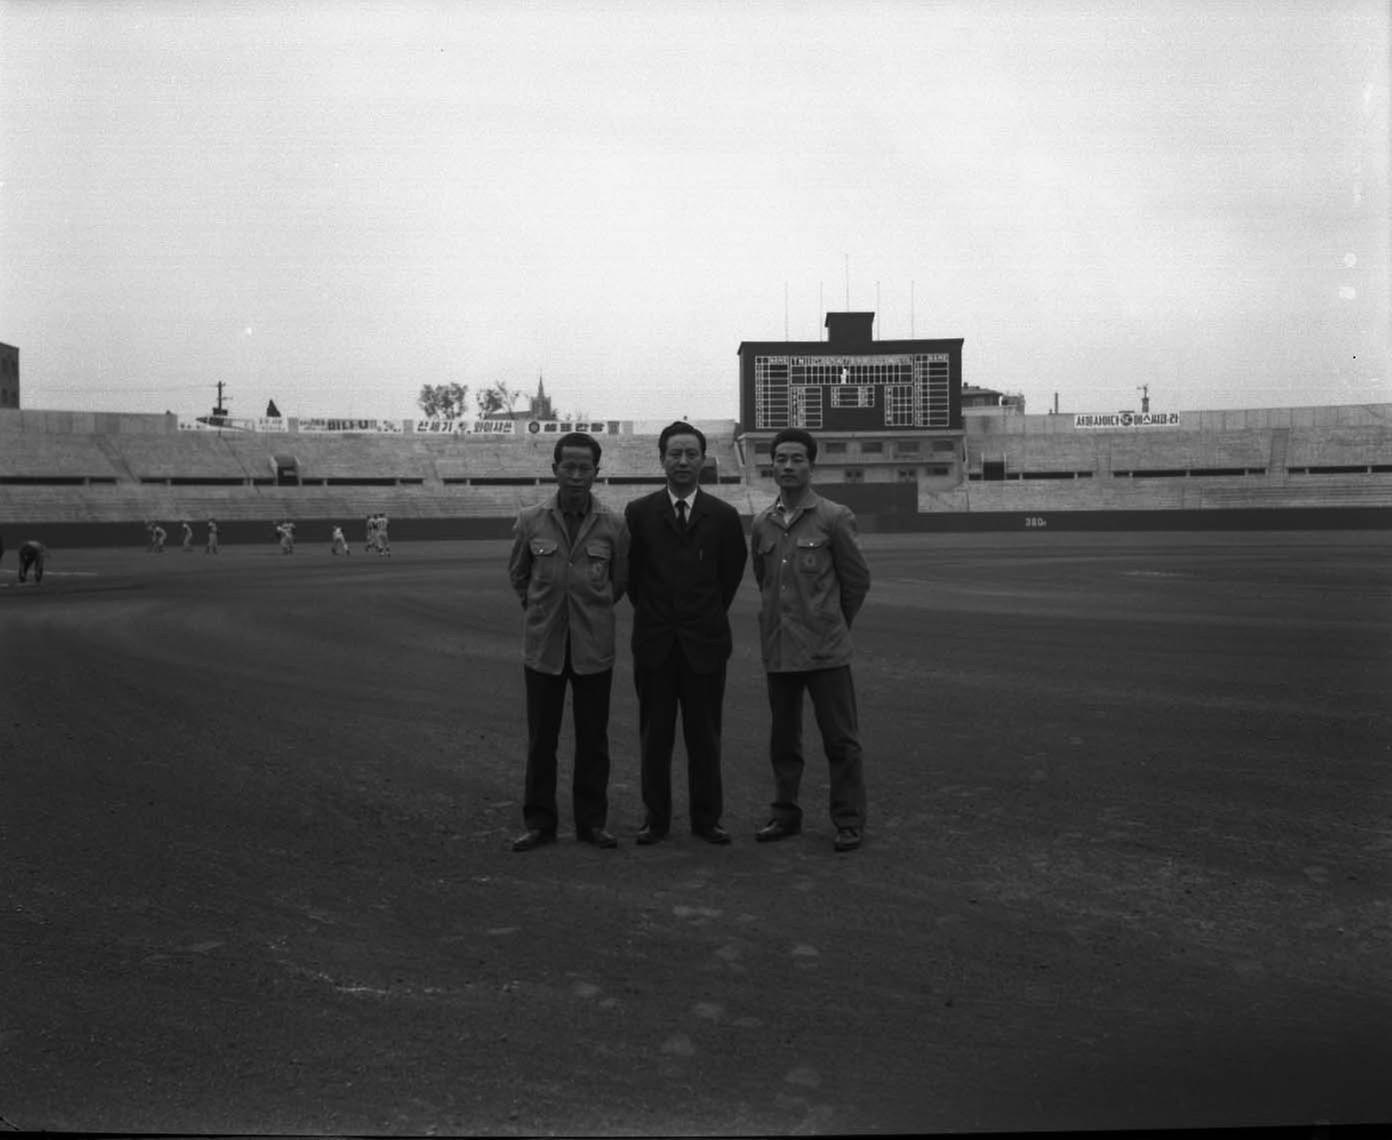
(852, 392)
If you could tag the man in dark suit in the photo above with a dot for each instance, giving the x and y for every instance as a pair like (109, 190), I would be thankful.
(686, 558)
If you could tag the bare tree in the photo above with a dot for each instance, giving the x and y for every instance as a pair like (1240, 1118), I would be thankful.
(497, 399)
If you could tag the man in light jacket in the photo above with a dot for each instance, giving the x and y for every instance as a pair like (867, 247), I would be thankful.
(569, 565)
(812, 582)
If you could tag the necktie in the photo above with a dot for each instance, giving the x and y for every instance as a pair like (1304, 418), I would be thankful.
(681, 514)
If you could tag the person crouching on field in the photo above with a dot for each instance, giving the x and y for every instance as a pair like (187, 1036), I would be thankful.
(340, 544)
(569, 566)
(32, 556)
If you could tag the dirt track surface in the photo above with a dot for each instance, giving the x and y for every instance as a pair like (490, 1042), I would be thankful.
(1127, 863)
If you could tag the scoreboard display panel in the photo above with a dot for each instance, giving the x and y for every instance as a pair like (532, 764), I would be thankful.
(851, 391)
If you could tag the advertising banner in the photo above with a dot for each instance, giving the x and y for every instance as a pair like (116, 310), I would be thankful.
(230, 423)
(560, 427)
(324, 425)
(1127, 420)
(466, 427)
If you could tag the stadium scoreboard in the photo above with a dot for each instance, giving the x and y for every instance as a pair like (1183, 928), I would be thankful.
(893, 386)
(847, 393)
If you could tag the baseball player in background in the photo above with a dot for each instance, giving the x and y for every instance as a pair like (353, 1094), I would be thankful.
(32, 556)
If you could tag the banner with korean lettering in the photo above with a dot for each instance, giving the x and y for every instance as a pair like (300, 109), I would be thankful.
(231, 423)
(466, 427)
(350, 425)
(1127, 420)
(562, 427)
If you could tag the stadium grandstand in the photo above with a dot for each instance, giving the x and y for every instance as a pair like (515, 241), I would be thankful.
(902, 442)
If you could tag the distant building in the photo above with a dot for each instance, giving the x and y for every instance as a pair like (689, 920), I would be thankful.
(9, 376)
(977, 400)
(539, 408)
(541, 403)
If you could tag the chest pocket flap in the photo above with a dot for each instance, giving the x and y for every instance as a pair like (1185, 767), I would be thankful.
(599, 556)
(812, 553)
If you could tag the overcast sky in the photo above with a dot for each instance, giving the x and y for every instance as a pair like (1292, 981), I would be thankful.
(331, 204)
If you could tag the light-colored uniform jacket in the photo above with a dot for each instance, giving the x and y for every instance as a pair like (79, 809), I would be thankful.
(568, 590)
(812, 581)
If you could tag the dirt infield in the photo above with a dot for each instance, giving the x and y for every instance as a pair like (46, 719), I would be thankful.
(1127, 863)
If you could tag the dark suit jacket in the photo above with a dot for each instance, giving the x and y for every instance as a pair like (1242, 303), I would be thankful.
(682, 583)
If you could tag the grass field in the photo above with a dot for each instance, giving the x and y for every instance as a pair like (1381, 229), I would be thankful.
(1127, 860)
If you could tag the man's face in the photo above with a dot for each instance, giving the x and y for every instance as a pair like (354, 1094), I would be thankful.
(576, 470)
(791, 467)
(681, 460)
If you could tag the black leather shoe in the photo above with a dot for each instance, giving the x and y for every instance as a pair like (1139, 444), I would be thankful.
(648, 835)
(533, 838)
(712, 834)
(777, 829)
(596, 836)
(847, 838)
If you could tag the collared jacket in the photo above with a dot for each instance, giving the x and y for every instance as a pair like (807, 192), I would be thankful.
(812, 582)
(568, 590)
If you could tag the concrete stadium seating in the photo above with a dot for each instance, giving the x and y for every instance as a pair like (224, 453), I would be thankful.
(1036, 453)
(32, 454)
(156, 473)
(1323, 446)
(186, 456)
(329, 457)
(1189, 450)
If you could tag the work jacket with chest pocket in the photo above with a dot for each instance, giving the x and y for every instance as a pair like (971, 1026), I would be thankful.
(812, 582)
(568, 590)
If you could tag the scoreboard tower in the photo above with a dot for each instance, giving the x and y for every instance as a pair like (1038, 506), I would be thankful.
(883, 411)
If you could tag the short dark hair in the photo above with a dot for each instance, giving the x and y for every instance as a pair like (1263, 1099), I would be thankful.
(796, 435)
(578, 439)
(680, 427)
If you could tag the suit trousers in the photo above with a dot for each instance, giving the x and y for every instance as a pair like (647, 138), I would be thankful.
(700, 696)
(834, 704)
(590, 712)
